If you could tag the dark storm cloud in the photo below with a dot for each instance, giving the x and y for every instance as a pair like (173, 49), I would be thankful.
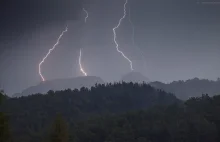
(179, 38)
(19, 17)
(22, 15)
(20, 20)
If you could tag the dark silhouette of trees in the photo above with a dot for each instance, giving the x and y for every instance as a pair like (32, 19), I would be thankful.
(59, 130)
(4, 126)
(173, 123)
(120, 112)
(30, 116)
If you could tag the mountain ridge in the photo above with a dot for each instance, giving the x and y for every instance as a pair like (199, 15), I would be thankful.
(61, 84)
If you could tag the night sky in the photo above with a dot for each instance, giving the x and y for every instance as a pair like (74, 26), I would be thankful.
(180, 39)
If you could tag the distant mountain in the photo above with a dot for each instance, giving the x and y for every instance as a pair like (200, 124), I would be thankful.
(135, 77)
(190, 88)
(61, 84)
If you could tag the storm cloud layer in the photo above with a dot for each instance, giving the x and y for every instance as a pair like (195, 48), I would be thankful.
(180, 39)
(16, 13)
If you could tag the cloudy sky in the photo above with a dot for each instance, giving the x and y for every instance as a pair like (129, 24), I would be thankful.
(175, 39)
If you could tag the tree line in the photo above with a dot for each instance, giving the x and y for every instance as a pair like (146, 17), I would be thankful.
(120, 112)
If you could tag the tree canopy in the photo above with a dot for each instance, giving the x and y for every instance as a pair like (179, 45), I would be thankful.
(120, 112)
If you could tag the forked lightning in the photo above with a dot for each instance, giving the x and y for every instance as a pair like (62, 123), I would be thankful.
(49, 52)
(115, 36)
(80, 54)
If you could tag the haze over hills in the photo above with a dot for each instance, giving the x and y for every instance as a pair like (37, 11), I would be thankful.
(77, 83)
(182, 89)
(61, 84)
(190, 88)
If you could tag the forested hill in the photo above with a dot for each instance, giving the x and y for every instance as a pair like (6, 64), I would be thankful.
(31, 116)
(190, 88)
(197, 121)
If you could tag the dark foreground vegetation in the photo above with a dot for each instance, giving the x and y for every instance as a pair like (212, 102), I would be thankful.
(111, 113)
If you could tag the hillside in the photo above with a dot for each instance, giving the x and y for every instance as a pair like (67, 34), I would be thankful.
(197, 121)
(190, 88)
(62, 84)
(31, 116)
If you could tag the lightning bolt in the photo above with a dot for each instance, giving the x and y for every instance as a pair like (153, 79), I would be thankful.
(87, 14)
(115, 36)
(80, 65)
(133, 38)
(80, 53)
(49, 52)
